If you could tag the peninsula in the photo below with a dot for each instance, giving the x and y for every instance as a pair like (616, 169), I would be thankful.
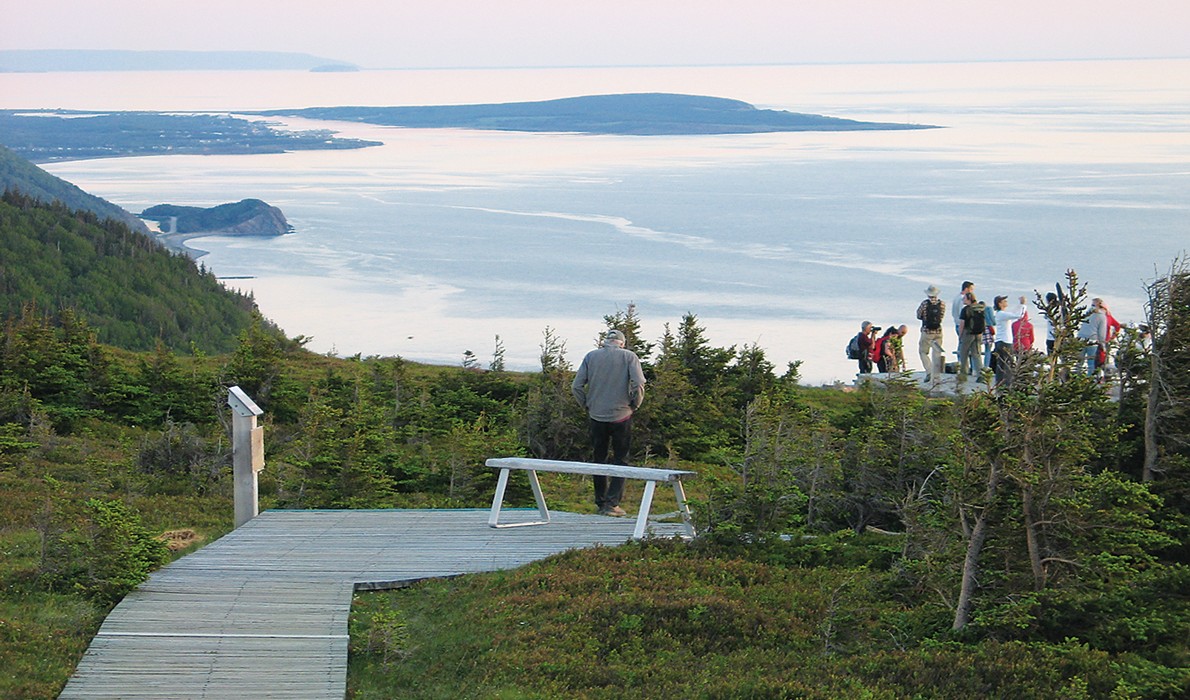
(248, 217)
(44, 135)
(642, 114)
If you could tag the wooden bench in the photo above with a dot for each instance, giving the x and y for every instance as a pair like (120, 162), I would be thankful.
(532, 466)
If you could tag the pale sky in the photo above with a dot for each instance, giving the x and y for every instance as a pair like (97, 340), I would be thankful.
(502, 33)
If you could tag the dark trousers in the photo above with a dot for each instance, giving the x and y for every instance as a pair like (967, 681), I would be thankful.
(618, 436)
(1003, 366)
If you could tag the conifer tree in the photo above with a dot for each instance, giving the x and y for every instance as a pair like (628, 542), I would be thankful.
(628, 322)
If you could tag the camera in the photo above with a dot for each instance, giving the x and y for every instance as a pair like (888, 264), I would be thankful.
(875, 329)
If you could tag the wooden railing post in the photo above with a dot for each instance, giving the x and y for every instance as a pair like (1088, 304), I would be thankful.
(247, 453)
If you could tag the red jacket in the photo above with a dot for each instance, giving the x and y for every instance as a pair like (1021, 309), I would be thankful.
(877, 349)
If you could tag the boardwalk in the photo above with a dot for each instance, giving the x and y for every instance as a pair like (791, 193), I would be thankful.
(262, 612)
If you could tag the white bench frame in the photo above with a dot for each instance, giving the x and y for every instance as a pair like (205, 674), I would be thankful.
(532, 466)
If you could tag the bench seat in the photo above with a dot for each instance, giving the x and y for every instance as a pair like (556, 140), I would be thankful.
(649, 475)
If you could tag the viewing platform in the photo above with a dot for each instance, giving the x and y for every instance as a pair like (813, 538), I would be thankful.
(262, 612)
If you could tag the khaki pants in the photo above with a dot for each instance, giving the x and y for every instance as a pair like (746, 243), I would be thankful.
(931, 352)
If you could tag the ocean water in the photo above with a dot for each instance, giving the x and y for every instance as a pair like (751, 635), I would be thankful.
(442, 239)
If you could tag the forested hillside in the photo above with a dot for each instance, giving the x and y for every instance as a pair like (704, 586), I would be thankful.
(128, 287)
(16, 173)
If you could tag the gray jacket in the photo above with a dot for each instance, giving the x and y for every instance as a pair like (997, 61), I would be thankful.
(610, 383)
(1094, 329)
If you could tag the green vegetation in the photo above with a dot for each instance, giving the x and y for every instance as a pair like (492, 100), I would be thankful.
(245, 216)
(878, 543)
(121, 282)
(664, 620)
(882, 544)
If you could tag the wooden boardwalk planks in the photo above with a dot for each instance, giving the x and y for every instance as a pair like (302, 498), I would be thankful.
(262, 612)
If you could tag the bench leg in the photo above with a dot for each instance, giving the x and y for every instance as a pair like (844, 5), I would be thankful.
(538, 496)
(498, 501)
(642, 518)
(683, 507)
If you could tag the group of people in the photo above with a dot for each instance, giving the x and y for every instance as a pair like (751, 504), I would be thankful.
(610, 383)
(885, 352)
(987, 336)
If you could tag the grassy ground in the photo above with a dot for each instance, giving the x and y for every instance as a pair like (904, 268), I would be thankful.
(662, 620)
(44, 634)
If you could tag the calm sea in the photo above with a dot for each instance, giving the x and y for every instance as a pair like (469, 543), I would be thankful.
(441, 240)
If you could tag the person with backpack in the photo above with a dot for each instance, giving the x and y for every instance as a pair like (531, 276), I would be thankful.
(860, 347)
(930, 312)
(973, 322)
(960, 302)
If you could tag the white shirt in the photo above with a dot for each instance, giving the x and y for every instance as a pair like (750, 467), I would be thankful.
(957, 307)
(1004, 319)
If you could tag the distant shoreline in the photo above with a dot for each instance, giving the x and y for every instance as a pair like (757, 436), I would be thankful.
(92, 60)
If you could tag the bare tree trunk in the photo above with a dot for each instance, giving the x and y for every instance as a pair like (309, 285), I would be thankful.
(1169, 327)
(1155, 312)
(1151, 410)
(1032, 541)
(979, 535)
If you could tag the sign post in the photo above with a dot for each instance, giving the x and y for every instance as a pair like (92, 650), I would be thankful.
(247, 453)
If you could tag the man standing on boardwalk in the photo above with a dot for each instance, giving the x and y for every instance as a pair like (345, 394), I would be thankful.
(930, 312)
(610, 384)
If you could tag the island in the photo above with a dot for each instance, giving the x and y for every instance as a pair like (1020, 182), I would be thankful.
(641, 114)
(248, 217)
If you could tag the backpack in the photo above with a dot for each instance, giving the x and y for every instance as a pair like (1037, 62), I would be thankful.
(853, 351)
(975, 322)
(1022, 333)
(877, 349)
(932, 319)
